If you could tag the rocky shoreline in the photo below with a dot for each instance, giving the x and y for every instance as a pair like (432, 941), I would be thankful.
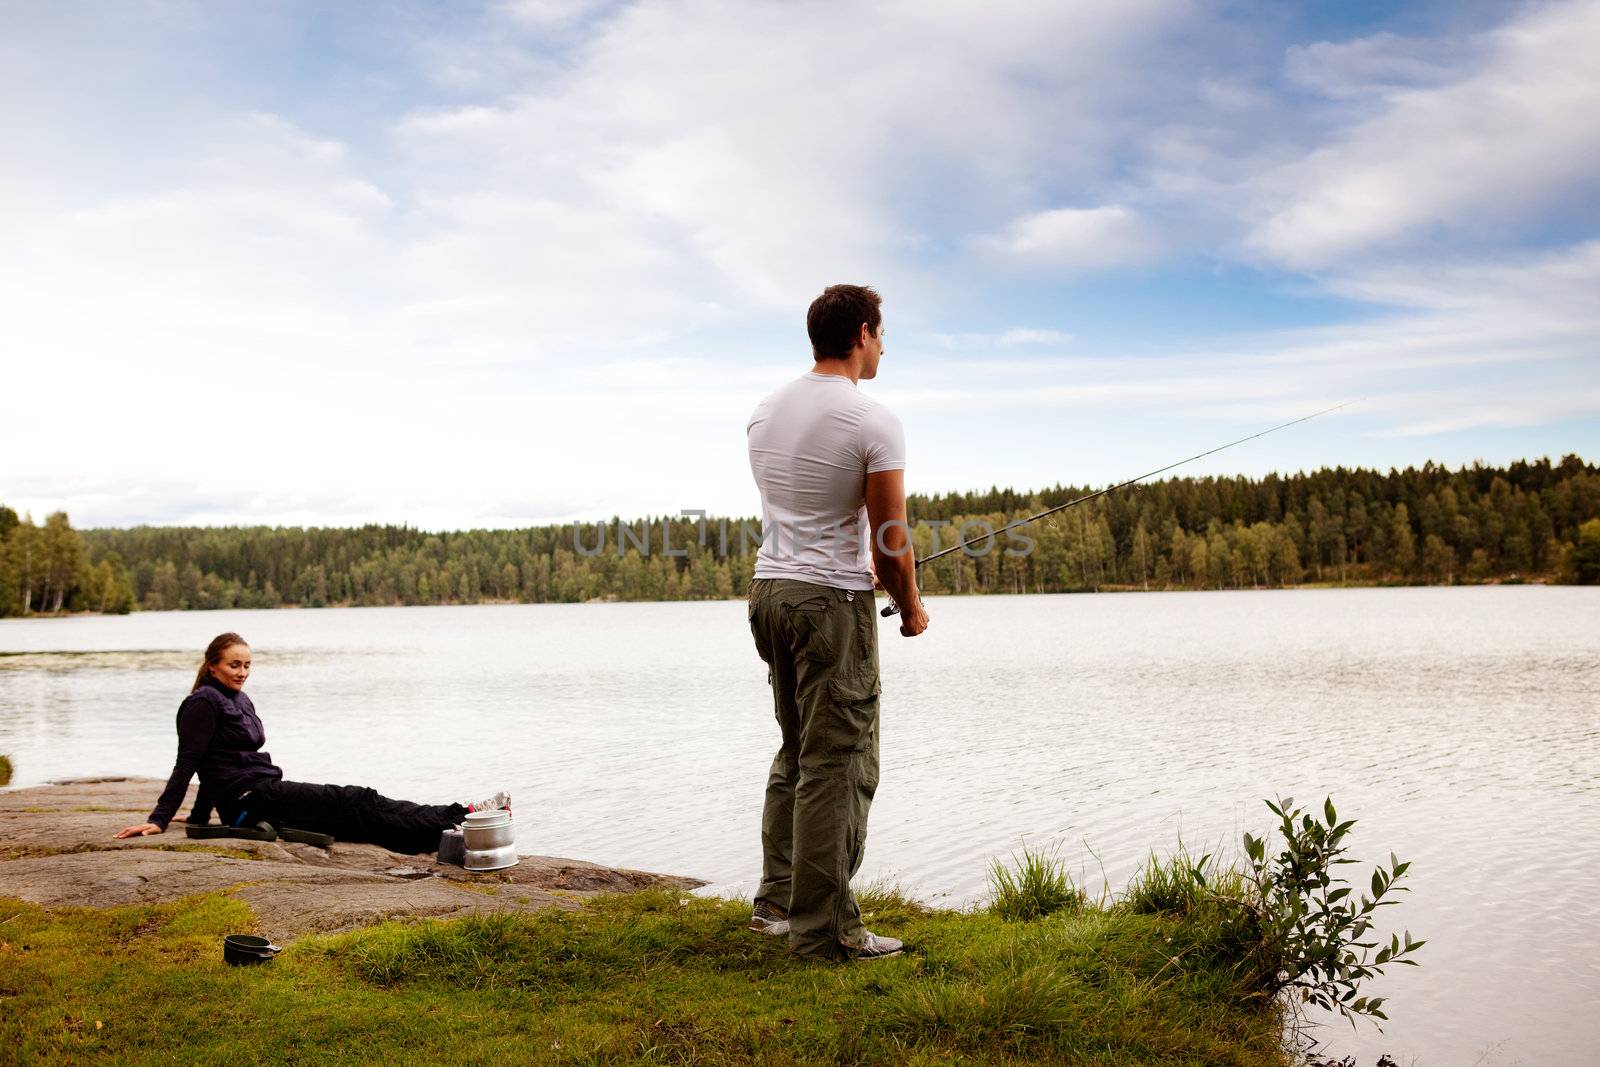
(57, 850)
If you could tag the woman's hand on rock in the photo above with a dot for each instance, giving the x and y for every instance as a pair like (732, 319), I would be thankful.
(142, 830)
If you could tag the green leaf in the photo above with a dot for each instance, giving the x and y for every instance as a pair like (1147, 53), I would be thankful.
(1327, 809)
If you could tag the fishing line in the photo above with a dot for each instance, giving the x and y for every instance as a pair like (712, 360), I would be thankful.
(893, 609)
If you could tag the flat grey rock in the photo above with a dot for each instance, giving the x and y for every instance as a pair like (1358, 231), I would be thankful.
(57, 850)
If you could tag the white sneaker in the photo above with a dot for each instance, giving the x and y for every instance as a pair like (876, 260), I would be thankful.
(500, 800)
(874, 947)
(769, 919)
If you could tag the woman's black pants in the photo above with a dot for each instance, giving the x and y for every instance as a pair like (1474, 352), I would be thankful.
(351, 813)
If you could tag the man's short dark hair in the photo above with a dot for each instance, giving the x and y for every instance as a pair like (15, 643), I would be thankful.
(835, 318)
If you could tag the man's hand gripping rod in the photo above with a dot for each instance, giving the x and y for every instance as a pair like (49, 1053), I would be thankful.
(893, 609)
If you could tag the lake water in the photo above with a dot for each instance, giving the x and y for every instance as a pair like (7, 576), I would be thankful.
(1460, 726)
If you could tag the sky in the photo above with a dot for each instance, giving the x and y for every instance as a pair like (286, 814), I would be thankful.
(507, 263)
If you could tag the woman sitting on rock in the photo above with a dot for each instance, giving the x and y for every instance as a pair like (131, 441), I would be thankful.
(220, 738)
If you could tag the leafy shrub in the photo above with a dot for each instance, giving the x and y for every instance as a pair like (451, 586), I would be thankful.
(1037, 885)
(1308, 929)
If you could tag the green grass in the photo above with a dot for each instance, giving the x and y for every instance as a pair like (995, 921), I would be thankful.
(5, 770)
(1036, 884)
(651, 977)
(1181, 885)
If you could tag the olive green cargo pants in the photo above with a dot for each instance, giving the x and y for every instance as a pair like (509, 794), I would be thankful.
(821, 644)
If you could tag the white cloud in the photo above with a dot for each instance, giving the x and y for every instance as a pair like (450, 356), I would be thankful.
(1496, 144)
(1424, 414)
(1076, 238)
(1232, 95)
(1481, 345)
(1381, 64)
(1016, 337)
(777, 153)
(1552, 290)
(542, 14)
(1027, 336)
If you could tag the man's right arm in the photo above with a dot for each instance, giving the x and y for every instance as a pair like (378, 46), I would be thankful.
(892, 556)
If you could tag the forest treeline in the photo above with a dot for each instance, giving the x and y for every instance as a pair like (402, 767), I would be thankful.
(46, 569)
(1528, 521)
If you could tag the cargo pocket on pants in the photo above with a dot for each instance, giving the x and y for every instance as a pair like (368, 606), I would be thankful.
(855, 699)
(811, 621)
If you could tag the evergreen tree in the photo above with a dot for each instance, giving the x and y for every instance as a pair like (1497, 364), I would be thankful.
(1586, 559)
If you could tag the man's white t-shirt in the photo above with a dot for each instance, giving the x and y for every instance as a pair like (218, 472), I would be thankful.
(812, 445)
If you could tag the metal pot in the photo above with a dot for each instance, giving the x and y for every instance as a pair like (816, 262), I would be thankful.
(452, 847)
(488, 830)
(490, 859)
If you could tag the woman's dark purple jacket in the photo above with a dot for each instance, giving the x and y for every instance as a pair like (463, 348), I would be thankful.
(219, 738)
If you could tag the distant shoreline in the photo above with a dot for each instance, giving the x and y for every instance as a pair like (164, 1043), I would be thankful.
(1108, 589)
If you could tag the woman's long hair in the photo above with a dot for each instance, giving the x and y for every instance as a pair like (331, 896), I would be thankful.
(219, 644)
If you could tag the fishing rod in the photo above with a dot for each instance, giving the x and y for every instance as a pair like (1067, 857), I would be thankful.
(893, 609)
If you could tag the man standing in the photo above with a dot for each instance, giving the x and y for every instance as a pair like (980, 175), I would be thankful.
(830, 464)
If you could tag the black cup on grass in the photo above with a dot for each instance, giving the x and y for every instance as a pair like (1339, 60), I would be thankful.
(240, 950)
